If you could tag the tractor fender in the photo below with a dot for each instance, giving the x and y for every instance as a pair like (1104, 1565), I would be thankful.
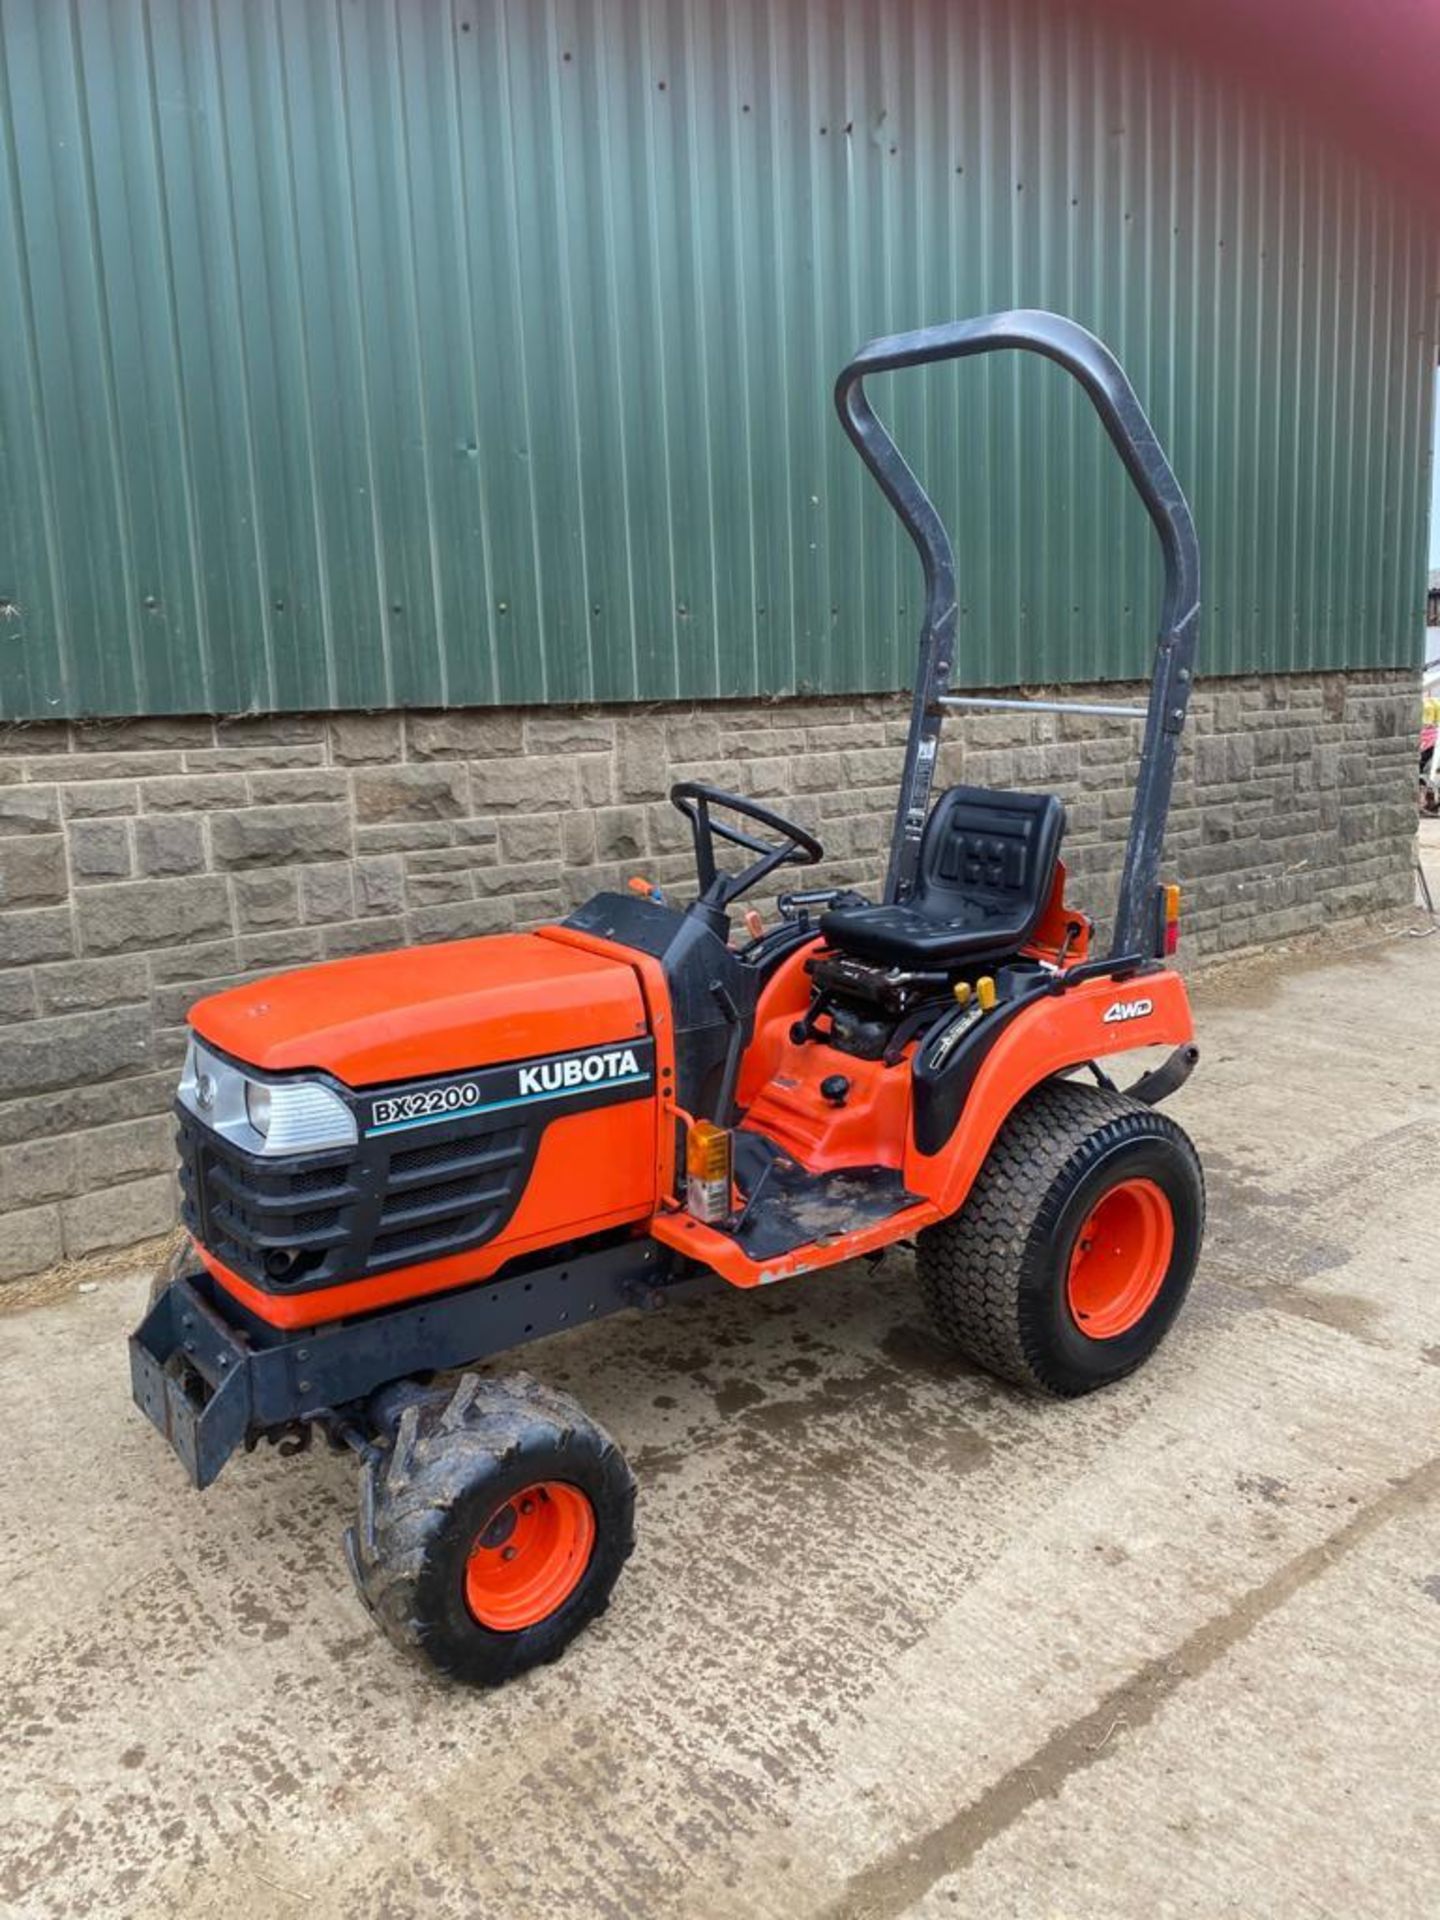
(1059, 1030)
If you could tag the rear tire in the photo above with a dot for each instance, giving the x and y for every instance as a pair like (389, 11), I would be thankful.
(1074, 1251)
(493, 1529)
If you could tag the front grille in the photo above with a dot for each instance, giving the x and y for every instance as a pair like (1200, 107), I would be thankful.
(319, 1181)
(414, 1158)
(349, 1214)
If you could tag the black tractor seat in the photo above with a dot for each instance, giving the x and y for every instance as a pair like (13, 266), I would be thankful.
(987, 864)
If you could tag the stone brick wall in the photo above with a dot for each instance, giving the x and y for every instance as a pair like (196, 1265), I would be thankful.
(144, 863)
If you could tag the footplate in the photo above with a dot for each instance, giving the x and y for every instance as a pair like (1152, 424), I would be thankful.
(189, 1375)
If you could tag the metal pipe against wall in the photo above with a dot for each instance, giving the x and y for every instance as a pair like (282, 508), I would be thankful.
(1042, 706)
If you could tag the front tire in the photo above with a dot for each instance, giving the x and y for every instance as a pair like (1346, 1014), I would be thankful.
(494, 1528)
(1073, 1253)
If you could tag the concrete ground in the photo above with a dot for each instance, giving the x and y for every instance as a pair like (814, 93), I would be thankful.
(895, 1641)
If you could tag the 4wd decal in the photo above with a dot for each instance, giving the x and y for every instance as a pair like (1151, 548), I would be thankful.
(592, 1077)
(1127, 1010)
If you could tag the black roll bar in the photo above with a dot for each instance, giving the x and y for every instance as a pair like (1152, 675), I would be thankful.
(1103, 379)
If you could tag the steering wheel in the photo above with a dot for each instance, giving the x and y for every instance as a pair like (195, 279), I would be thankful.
(796, 848)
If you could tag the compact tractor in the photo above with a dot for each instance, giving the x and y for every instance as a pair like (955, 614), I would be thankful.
(397, 1166)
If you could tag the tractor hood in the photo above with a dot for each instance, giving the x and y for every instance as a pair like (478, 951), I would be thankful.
(422, 1011)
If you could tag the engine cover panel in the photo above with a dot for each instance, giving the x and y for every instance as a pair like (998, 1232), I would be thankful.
(425, 1012)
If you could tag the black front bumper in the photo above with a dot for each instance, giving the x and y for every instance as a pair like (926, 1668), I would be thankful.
(211, 1377)
(191, 1374)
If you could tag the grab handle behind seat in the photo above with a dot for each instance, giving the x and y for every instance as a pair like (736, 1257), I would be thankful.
(1114, 399)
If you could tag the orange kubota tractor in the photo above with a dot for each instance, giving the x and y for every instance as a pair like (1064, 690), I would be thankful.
(398, 1165)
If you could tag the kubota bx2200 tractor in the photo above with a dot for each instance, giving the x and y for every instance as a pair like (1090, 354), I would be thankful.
(398, 1165)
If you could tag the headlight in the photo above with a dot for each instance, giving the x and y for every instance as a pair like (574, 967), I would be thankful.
(263, 1116)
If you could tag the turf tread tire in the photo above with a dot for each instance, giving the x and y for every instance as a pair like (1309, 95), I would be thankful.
(972, 1269)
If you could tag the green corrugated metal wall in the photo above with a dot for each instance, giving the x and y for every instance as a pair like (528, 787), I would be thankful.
(380, 352)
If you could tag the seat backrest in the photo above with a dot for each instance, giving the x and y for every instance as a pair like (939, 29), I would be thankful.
(992, 850)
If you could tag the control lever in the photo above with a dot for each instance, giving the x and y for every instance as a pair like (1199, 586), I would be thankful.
(730, 1076)
(973, 1006)
(793, 905)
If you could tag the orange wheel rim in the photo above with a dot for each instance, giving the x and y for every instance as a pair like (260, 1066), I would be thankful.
(1120, 1259)
(530, 1556)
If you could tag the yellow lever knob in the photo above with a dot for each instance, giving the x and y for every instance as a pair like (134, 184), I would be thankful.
(985, 992)
(961, 991)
